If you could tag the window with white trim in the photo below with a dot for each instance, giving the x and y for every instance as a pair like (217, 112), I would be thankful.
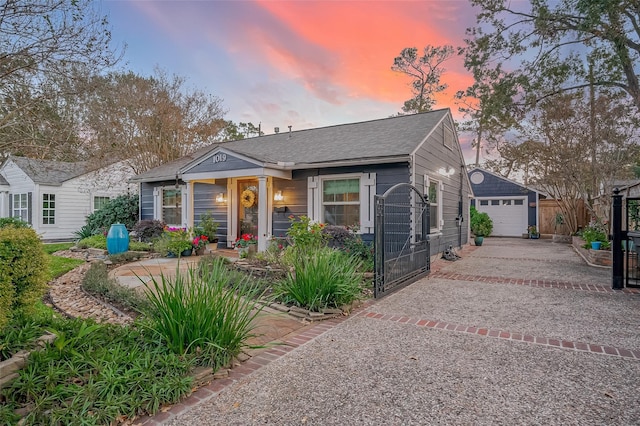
(48, 209)
(341, 201)
(172, 206)
(20, 206)
(434, 193)
(99, 202)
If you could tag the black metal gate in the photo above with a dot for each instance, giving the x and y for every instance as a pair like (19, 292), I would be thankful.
(631, 245)
(401, 238)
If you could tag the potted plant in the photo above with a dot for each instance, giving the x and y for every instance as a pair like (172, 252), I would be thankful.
(481, 225)
(533, 232)
(245, 244)
(209, 227)
(200, 244)
(174, 242)
(595, 237)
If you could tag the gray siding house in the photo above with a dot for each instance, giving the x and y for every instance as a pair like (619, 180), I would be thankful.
(330, 174)
(512, 206)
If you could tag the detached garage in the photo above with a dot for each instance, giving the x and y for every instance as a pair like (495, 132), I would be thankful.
(512, 206)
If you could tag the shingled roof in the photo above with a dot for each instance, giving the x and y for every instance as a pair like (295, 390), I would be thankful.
(376, 139)
(50, 172)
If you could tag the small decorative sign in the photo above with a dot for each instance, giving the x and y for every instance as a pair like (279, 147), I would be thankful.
(219, 158)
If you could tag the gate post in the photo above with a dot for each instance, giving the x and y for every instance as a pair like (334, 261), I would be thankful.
(617, 265)
(378, 259)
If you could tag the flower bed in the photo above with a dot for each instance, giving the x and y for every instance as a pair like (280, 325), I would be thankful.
(592, 257)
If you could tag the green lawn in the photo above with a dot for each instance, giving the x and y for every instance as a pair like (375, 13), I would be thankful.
(60, 265)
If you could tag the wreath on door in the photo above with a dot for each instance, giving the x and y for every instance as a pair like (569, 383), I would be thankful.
(247, 198)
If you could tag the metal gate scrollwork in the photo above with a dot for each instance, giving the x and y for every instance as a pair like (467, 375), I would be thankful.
(401, 238)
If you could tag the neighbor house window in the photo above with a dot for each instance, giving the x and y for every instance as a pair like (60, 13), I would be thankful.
(20, 206)
(48, 209)
(99, 202)
(341, 201)
(172, 206)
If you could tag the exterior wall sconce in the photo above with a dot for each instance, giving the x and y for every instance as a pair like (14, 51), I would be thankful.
(446, 172)
(220, 198)
(278, 196)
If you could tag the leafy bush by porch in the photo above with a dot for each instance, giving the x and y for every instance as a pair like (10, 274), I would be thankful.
(122, 209)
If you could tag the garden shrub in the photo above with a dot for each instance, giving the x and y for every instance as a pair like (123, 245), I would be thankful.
(148, 230)
(122, 209)
(197, 313)
(305, 234)
(97, 282)
(13, 222)
(98, 374)
(337, 235)
(23, 270)
(98, 241)
(329, 278)
(347, 240)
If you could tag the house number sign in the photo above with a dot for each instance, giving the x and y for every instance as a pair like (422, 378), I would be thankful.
(219, 158)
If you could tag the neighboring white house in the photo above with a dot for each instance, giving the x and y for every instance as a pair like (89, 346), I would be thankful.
(55, 197)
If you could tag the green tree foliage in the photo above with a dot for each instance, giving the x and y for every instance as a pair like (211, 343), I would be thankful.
(23, 271)
(549, 47)
(122, 209)
(149, 121)
(574, 150)
(235, 132)
(425, 71)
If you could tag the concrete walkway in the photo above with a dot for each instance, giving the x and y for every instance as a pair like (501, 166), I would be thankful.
(516, 332)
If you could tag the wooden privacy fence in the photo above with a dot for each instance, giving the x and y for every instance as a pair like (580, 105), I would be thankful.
(549, 209)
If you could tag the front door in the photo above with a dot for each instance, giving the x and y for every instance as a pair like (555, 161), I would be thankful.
(248, 207)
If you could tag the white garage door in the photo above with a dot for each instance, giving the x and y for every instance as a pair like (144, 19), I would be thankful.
(509, 215)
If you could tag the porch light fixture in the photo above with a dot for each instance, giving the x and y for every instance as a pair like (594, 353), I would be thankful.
(220, 198)
(278, 196)
(446, 172)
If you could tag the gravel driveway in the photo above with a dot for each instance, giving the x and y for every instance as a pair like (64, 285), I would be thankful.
(511, 342)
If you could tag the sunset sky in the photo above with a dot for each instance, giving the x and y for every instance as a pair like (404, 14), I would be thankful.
(299, 63)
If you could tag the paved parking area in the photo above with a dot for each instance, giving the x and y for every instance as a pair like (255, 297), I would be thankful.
(516, 332)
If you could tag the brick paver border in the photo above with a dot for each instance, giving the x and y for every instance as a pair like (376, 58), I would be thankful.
(507, 335)
(567, 285)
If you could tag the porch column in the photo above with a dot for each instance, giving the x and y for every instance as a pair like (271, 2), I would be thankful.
(262, 213)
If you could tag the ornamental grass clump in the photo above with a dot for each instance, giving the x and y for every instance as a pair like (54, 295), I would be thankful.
(198, 312)
(327, 279)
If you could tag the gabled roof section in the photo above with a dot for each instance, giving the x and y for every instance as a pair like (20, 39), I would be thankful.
(50, 172)
(173, 168)
(528, 188)
(374, 140)
(3, 181)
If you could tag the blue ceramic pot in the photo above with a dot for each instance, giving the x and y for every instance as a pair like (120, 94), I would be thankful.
(117, 239)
